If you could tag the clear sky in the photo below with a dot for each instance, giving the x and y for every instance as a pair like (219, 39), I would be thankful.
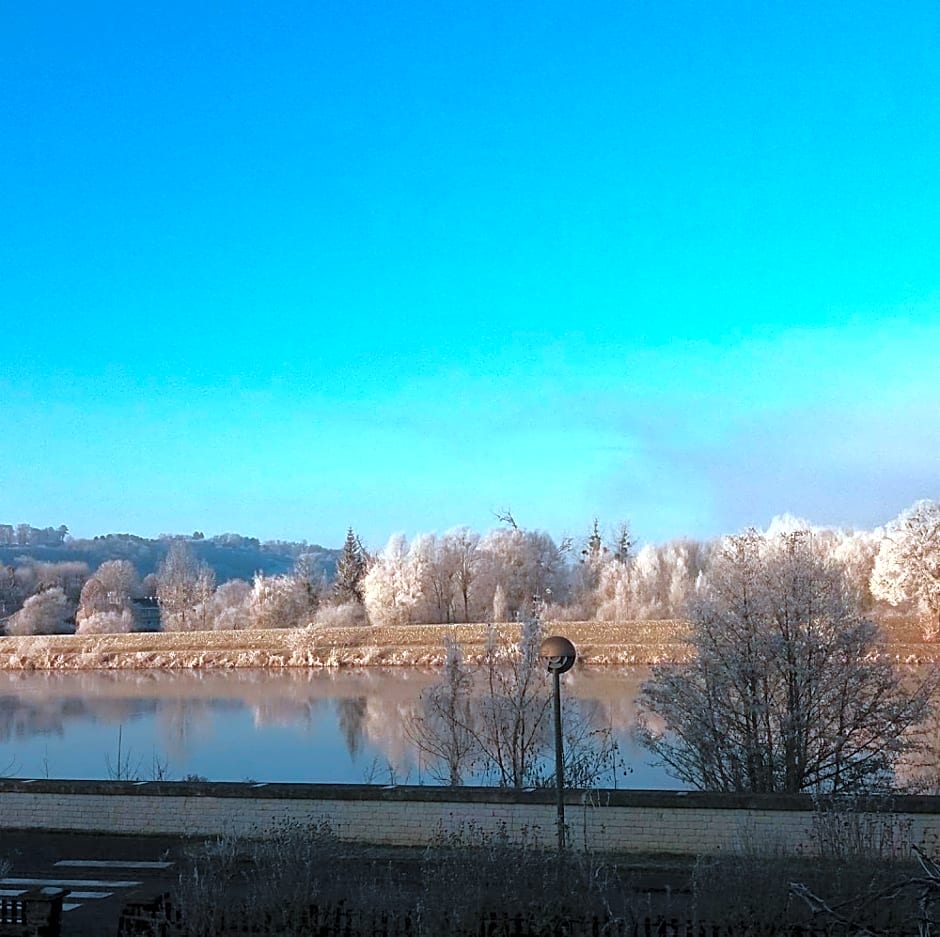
(282, 267)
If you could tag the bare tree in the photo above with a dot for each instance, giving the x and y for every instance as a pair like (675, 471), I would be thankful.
(442, 729)
(495, 720)
(906, 903)
(786, 692)
(505, 517)
(512, 717)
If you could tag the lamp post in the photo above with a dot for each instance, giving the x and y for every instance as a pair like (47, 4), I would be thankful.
(559, 655)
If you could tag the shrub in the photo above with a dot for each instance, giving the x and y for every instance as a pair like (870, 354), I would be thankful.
(347, 615)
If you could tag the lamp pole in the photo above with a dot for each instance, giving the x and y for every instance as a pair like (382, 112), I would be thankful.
(559, 654)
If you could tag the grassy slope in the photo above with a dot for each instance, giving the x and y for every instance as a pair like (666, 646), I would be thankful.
(597, 642)
(629, 642)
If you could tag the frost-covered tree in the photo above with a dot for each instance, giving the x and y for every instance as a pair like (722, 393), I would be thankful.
(663, 578)
(462, 547)
(350, 571)
(527, 564)
(855, 552)
(106, 601)
(228, 607)
(907, 566)
(69, 576)
(600, 566)
(30, 576)
(500, 608)
(392, 587)
(785, 692)
(310, 580)
(655, 584)
(587, 573)
(46, 612)
(120, 580)
(184, 588)
(279, 602)
(105, 604)
(614, 595)
(434, 579)
(106, 621)
(434, 569)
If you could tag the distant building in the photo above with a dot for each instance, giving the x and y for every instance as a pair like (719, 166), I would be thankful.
(147, 614)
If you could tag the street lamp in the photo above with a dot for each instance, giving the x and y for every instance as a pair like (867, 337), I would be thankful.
(559, 655)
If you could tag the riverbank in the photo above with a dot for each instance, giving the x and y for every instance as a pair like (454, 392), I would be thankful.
(634, 642)
(598, 643)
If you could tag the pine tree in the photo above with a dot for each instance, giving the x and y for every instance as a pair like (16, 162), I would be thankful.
(625, 544)
(594, 545)
(350, 571)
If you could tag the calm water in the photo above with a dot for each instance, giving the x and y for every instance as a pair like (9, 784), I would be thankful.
(344, 726)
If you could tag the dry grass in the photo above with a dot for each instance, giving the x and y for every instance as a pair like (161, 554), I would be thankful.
(639, 642)
(598, 643)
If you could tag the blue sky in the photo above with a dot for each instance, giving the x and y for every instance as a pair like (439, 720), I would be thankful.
(280, 268)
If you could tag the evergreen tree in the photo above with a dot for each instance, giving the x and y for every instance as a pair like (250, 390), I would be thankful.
(624, 545)
(350, 571)
(595, 546)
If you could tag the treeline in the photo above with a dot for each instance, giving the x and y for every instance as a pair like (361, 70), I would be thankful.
(458, 576)
(23, 535)
(465, 576)
(231, 555)
(39, 596)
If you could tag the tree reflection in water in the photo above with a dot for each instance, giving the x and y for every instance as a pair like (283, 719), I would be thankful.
(289, 725)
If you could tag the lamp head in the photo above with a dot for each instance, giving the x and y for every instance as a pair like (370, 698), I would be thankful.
(558, 653)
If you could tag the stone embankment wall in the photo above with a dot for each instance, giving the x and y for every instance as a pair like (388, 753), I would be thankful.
(636, 821)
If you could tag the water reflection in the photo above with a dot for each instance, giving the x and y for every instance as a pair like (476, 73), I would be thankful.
(293, 725)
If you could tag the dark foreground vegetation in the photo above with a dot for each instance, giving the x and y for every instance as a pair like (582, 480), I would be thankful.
(863, 878)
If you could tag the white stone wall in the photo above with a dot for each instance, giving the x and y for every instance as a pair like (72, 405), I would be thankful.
(642, 822)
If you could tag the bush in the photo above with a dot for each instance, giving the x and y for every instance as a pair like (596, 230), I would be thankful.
(108, 622)
(269, 885)
(347, 615)
(45, 612)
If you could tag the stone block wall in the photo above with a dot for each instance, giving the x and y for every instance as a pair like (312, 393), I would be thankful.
(632, 821)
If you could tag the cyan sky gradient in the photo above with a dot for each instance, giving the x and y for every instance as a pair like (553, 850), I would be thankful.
(280, 268)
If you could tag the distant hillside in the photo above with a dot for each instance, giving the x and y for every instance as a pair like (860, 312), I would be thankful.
(231, 556)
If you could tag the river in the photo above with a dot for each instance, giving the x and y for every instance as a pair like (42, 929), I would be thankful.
(336, 726)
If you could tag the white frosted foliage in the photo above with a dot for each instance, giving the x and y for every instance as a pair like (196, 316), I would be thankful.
(907, 566)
